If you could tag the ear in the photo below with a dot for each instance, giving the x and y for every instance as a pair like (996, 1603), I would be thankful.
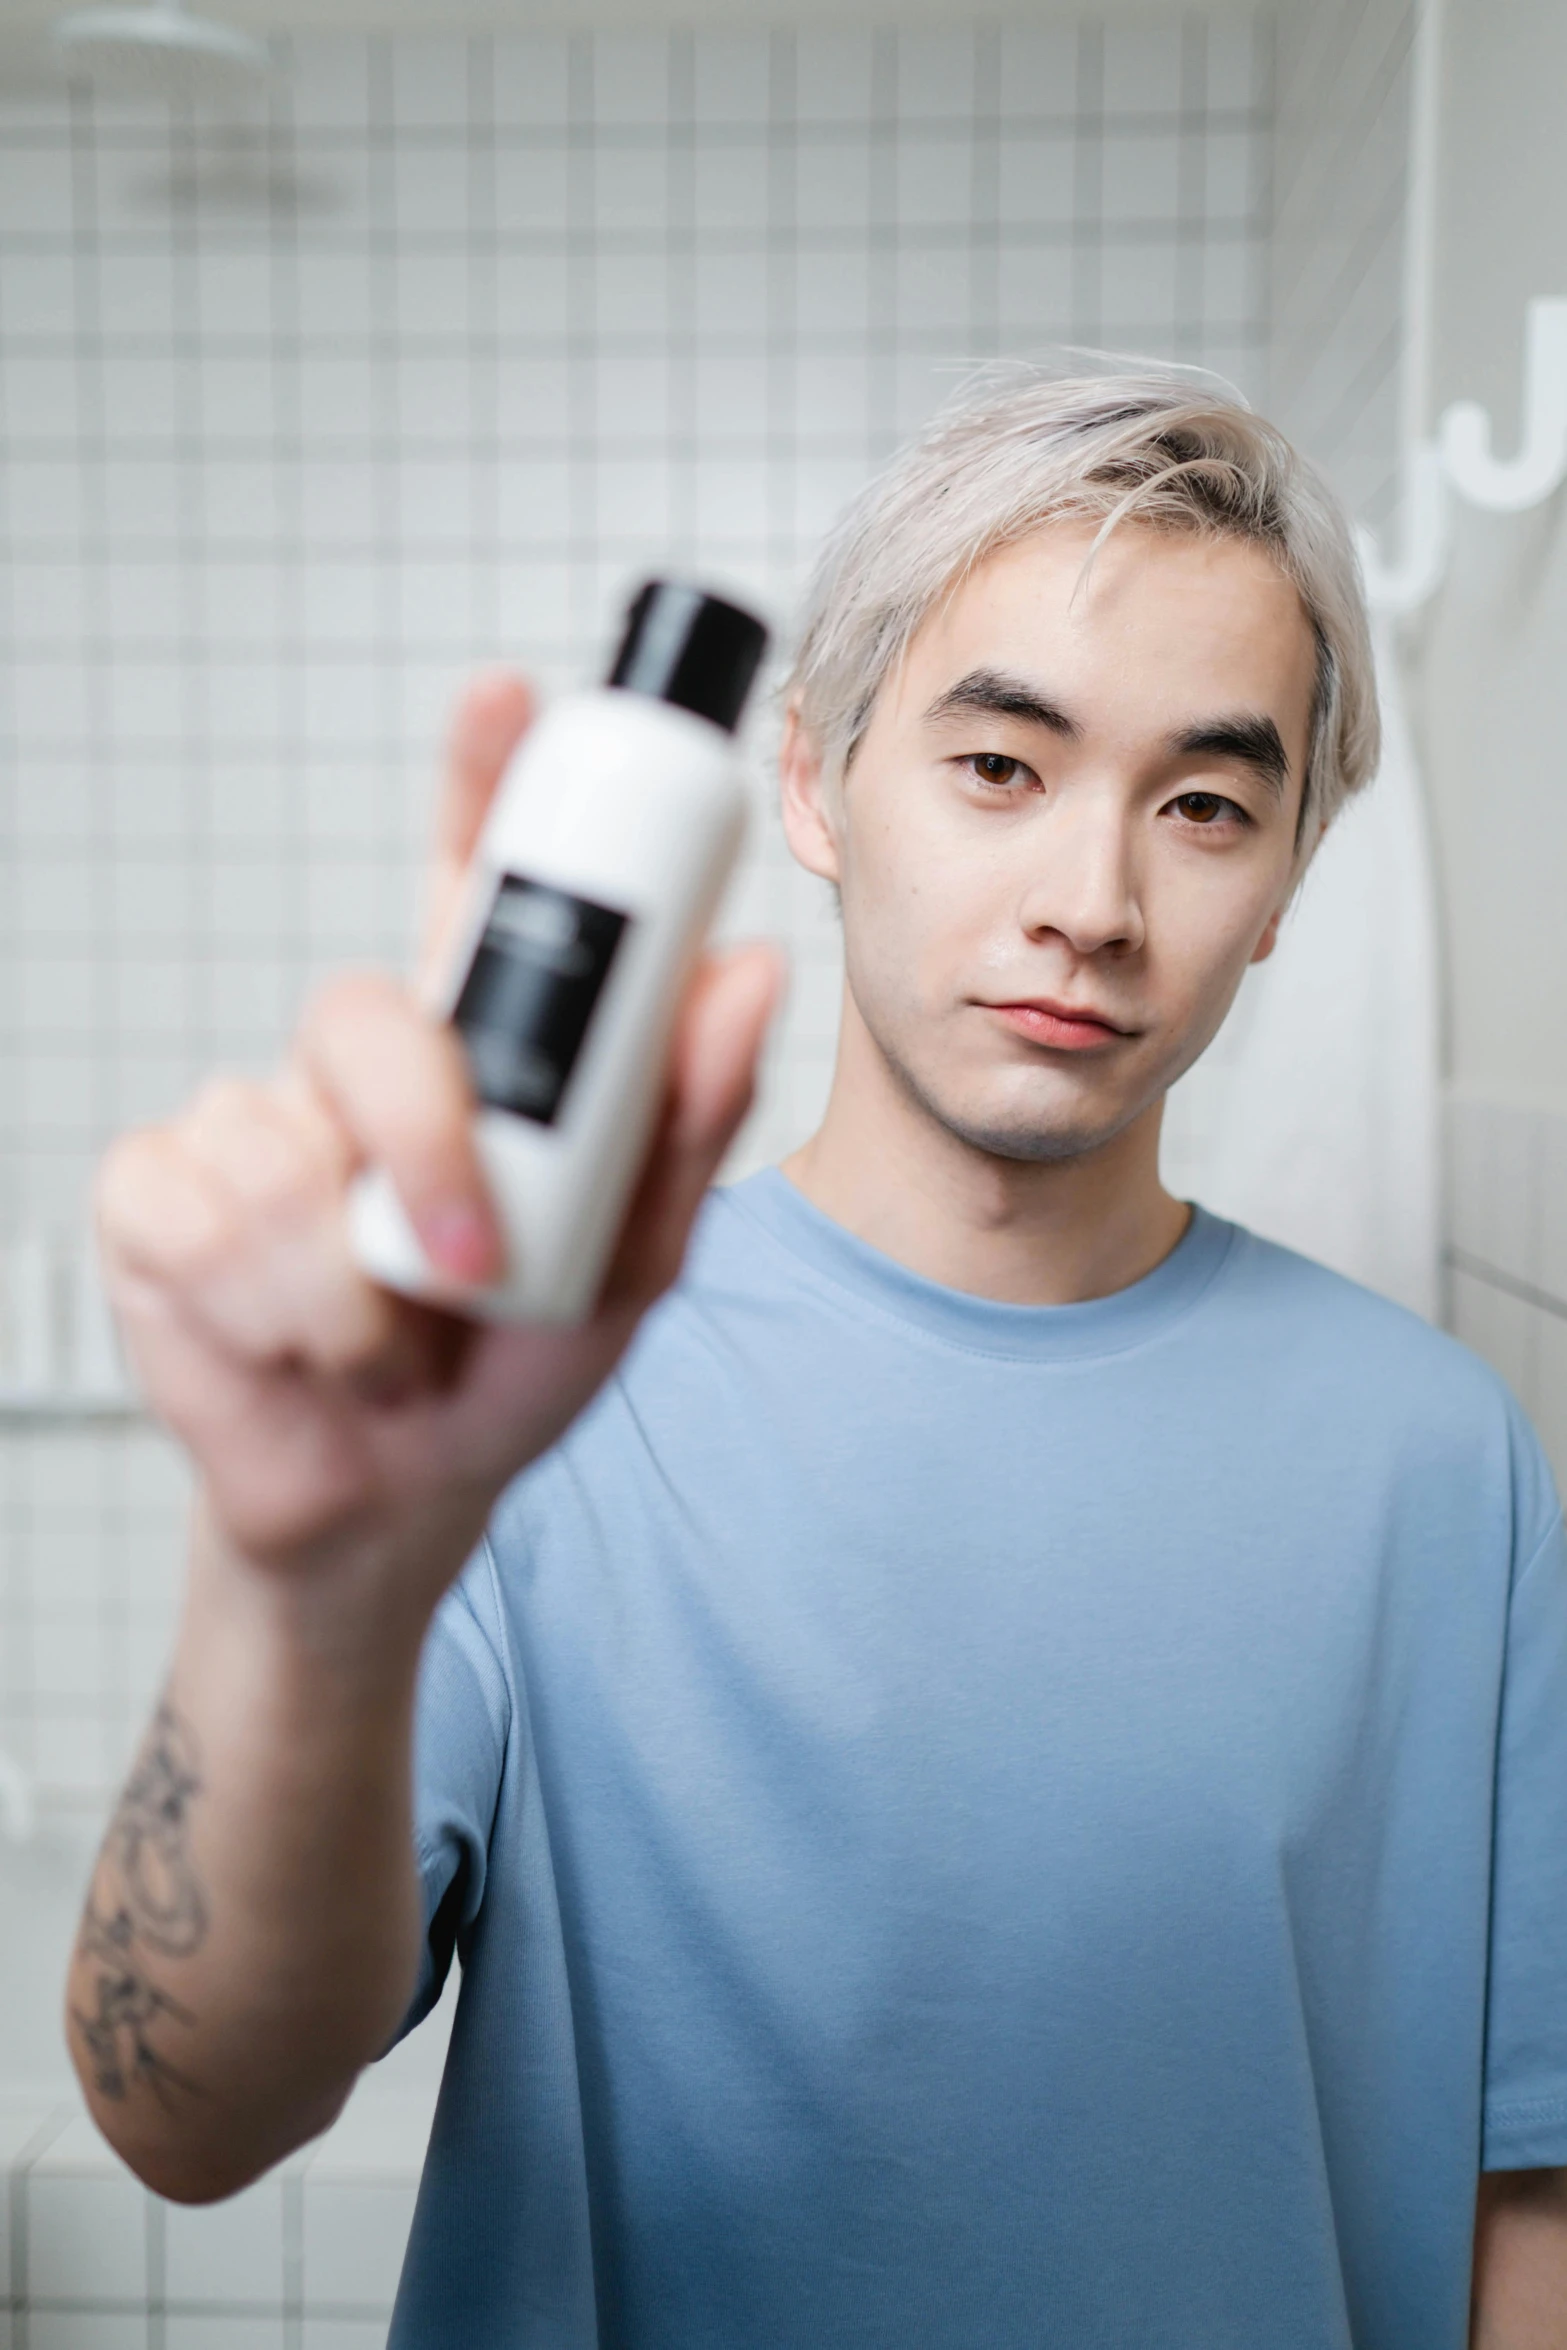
(808, 821)
(1270, 937)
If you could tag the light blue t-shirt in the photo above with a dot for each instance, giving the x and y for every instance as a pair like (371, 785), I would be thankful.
(974, 1827)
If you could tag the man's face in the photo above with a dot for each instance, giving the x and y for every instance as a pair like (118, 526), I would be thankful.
(1069, 827)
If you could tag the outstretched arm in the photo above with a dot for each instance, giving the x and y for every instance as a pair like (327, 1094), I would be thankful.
(250, 1937)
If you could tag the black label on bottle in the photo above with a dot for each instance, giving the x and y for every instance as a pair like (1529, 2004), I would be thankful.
(530, 991)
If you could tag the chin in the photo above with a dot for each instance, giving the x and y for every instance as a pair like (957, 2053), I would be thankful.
(1032, 1130)
(1036, 1140)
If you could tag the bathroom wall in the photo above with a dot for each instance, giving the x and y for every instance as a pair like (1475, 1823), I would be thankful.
(306, 413)
(1340, 162)
(1491, 708)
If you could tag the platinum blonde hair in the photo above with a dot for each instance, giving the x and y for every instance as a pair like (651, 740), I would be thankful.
(1157, 447)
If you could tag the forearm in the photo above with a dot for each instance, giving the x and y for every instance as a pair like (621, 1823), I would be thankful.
(251, 1933)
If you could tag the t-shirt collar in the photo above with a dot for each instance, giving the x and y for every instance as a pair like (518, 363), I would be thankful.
(1128, 1318)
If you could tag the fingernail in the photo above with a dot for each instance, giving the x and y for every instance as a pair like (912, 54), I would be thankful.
(458, 1240)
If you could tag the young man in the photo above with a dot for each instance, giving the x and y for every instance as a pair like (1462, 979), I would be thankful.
(1000, 1776)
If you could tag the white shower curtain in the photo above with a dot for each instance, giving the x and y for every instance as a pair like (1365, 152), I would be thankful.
(1313, 1117)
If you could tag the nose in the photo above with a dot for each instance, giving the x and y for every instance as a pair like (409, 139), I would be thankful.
(1083, 884)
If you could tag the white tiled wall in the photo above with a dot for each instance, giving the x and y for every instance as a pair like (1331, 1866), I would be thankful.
(1340, 160)
(307, 2259)
(303, 417)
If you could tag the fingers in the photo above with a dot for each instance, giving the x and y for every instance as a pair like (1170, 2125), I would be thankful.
(490, 720)
(716, 1049)
(231, 1219)
(398, 1084)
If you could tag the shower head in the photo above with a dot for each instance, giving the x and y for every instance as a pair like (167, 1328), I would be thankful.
(159, 49)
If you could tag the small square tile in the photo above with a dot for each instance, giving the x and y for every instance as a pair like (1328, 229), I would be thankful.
(833, 76)
(533, 398)
(533, 500)
(38, 397)
(433, 292)
(238, 399)
(86, 2230)
(529, 79)
(935, 290)
(935, 179)
(833, 185)
(832, 393)
(234, 293)
(530, 194)
(432, 191)
(37, 294)
(631, 189)
(831, 291)
(1142, 68)
(630, 78)
(730, 502)
(1141, 175)
(430, 81)
(632, 398)
(1137, 291)
(331, 82)
(354, 2237)
(36, 189)
(1038, 70)
(434, 502)
(731, 77)
(731, 296)
(432, 398)
(531, 295)
(1037, 177)
(136, 295)
(339, 605)
(732, 187)
(138, 391)
(631, 294)
(342, 2333)
(935, 74)
(226, 2252)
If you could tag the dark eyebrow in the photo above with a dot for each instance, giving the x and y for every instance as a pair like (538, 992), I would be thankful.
(992, 694)
(1255, 742)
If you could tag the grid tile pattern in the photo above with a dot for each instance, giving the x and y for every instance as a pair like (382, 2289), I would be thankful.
(306, 2259)
(305, 416)
(1340, 164)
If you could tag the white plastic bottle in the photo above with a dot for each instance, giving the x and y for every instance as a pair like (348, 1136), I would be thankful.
(597, 873)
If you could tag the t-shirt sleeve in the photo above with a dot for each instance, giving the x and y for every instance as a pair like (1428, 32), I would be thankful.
(462, 1725)
(1526, 2026)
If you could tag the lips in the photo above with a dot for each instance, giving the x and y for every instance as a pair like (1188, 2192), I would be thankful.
(1064, 1028)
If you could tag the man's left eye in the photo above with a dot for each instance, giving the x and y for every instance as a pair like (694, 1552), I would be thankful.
(994, 767)
(1207, 807)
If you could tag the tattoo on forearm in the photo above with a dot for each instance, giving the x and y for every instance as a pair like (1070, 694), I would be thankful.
(146, 1902)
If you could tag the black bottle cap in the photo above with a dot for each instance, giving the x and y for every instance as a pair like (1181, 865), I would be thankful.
(682, 645)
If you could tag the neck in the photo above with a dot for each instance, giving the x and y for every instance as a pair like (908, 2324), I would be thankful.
(1022, 1231)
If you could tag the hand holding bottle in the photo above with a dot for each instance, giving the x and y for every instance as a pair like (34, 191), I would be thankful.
(322, 1410)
